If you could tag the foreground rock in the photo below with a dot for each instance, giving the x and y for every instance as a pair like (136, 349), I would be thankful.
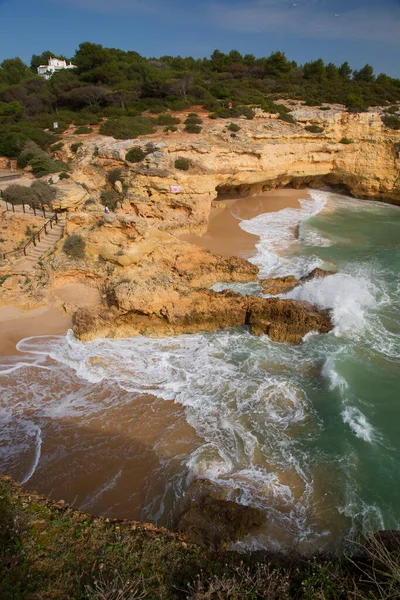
(206, 518)
(281, 285)
(197, 311)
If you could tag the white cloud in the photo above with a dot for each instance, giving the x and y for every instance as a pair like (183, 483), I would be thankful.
(309, 20)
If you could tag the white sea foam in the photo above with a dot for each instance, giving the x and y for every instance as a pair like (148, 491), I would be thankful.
(280, 230)
(358, 424)
(249, 400)
(336, 381)
(349, 298)
(35, 432)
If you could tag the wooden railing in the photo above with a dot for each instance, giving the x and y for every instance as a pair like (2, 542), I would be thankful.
(10, 206)
(35, 238)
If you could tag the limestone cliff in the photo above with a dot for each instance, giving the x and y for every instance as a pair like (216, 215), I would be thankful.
(354, 151)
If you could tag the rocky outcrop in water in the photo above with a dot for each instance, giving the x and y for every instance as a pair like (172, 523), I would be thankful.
(206, 518)
(160, 309)
(281, 285)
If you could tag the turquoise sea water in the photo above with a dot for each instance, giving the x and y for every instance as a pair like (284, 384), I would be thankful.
(308, 433)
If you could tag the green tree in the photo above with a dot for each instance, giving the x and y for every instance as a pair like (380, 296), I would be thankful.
(277, 64)
(315, 71)
(345, 71)
(366, 74)
(13, 71)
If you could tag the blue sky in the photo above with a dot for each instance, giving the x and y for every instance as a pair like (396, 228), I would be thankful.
(365, 31)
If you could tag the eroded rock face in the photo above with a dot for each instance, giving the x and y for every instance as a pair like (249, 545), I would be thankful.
(281, 285)
(208, 519)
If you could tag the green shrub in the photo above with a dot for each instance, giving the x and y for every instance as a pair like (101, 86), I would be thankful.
(194, 120)
(135, 155)
(233, 135)
(213, 115)
(345, 141)
(38, 194)
(324, 108)
(391, 121)
(166, 119)
(30, 151)
(233, 127)
(192, 128)
(392, 110)
(125, 128)
(183, 164)
(171, 128)
(89, 202)
(287, 118)
(314, 128)
(114, 175)
(109, 198)
(42, 166)
(64, 175)
(56, 147)
(75, 146)
(83, 130)
(74, 246)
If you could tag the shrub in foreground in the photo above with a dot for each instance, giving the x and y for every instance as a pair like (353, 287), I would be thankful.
(74, 246)
(233, 127)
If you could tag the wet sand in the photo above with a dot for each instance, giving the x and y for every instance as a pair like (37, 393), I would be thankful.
(16, 324)
(224, 236)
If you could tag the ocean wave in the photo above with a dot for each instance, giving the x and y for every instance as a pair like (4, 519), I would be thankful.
(278, 231)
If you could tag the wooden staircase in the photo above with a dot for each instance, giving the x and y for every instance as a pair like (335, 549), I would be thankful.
(34, 253)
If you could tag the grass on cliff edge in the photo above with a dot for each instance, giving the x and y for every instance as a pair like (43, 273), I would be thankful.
(50, 551)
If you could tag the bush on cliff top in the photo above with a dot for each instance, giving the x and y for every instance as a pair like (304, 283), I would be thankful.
(74, 246)
(39, 194)
(391, 121)
(125, 128)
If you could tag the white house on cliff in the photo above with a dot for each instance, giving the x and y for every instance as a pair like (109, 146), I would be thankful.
(54, 65)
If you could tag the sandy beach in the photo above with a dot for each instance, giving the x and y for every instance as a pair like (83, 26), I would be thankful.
(17, 324)
(224, 236)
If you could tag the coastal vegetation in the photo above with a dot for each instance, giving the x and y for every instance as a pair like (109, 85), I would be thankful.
(74, 246)
(129, 95)
(48, 550)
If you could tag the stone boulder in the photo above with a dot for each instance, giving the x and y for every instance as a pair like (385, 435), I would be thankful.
(206, 518)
